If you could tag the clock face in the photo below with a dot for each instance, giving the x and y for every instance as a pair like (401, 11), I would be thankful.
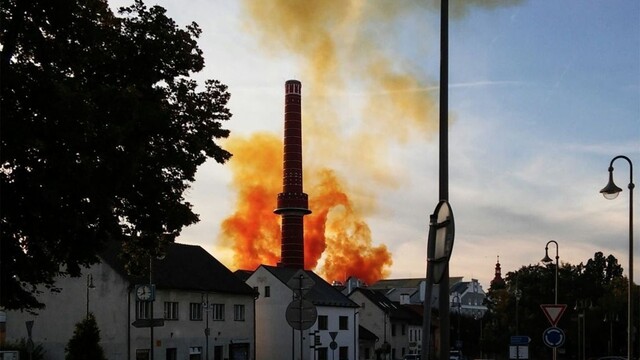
(144, 292)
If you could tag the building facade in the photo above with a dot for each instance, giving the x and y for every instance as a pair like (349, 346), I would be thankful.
(333, 334)
(201, 308)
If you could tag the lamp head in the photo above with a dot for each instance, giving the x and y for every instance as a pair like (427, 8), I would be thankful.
(610, 191)
(546, 259)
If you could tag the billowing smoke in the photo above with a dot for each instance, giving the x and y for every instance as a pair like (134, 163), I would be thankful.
(360, 98)
(335, 233)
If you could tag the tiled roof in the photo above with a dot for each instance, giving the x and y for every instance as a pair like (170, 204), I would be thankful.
(184, 267)
(365, 334)
(394, 309)
(378, 298)
(322, 293)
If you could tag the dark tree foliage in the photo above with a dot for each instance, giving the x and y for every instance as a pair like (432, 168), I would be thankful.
(85, 342)
(595, 294)
(102, 132)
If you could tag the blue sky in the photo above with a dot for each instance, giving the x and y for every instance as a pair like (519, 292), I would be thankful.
(543, 94)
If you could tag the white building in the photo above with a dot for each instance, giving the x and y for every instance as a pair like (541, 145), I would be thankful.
(334, 335)
(193, 292)
(397, 325)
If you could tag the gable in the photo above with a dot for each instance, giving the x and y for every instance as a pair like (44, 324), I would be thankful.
(320, 294)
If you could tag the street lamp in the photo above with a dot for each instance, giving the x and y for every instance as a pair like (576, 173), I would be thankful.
(89, 286)
(610, 318)
(518, 294)
(610, 192)
(457, 303)
(546, 259)
(582, 307)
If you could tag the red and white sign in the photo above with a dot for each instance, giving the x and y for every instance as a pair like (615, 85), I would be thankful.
(553, 312)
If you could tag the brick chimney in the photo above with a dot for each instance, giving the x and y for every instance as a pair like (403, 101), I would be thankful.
(292, 201)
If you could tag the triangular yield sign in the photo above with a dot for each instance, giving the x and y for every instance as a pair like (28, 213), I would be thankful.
(553, 312)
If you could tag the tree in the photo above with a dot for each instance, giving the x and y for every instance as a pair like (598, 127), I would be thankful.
(102, 133)
(595, 292)
(85, 342)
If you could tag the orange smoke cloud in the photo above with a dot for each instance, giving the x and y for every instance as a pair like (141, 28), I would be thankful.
(337, 240)
(362, 96)
(252, 231)
(336, 226)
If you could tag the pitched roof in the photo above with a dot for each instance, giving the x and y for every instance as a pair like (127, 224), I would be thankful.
(184, 267)
(365, 334)
(394, 309)
(321, 293)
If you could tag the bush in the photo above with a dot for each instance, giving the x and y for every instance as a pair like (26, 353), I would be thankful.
(85, 342)
(21, 346)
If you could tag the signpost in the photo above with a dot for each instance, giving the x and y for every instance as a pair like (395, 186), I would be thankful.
(553, 336)
(519, 347)
(439, 248)
(301, 314)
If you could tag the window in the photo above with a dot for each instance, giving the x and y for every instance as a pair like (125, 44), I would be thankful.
(323, 322)
(404, 330)
(238, 312)
(218, 312)
(142, 354)
(143, 310)
(217, 352)
(393, 329)
(171, 354)
(343, 352)
(195, 353)
(195, 311)
(343, 322)
(323, 353)
(170, 310)
(267, 291)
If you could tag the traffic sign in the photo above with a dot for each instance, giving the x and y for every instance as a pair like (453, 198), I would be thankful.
(520, 340)
(145, 323)
(301, 314)
(301, 283)
(553, 337)
(553, 312)
(441, 234)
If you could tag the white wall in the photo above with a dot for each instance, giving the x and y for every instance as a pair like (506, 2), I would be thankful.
(115, 309)
(54, 325)
(275, 339)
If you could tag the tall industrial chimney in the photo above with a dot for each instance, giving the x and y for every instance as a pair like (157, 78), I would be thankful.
(292, 202)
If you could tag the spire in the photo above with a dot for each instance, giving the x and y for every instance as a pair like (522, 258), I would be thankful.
(497, 278)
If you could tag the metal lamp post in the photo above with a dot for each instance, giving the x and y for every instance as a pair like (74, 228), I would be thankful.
(457, 303)
(89, 287)
(610, 192)
(546, 259)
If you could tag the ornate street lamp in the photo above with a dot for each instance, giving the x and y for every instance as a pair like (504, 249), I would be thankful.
(610, 192)
(546, 259)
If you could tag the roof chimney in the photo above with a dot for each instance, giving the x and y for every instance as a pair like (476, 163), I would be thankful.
(292, 201)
